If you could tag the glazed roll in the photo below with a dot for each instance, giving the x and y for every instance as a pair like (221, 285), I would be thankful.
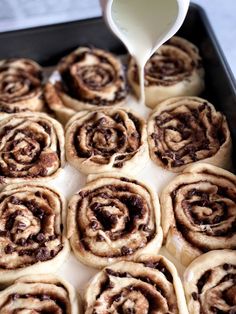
(148, 286)
(185, 130)
(175, 69)
(39, 294)
(20, 86)
(90, 79)
(199, 212)
(210, 283)
(113, 218)
(31, 148)
(107, 140)
(32, 235)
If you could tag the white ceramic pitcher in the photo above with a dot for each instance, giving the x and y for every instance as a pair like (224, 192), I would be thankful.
(144, 25)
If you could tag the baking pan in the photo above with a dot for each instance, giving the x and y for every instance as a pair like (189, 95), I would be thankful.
(48, 44)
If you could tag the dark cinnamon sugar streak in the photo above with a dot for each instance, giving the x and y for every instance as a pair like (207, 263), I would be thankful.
(90, 79)
(106, 140)
(173, 62)
(30, 225)
(31, 146)
(224, 296)
(185, 130)
(39, 294)
(20, 86)
(111, 219)
(175, 69)
(89, 72)
(210, 283)
(141, 287)
(101, 133)
(199, 212)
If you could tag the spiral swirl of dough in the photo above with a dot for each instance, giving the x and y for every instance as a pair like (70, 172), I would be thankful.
(210, 283)
(20, 86)
(175, 69)
(150, 285)
(32, 239)
(31, 147)
(199, 212)
(106, 140)
(90, 79)
(39, 294)
(113, 218)
(186, 130)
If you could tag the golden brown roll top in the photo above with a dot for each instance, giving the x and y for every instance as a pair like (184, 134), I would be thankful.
(150, 285)
(113, 218)
(32, 235)
(20, 86)
(185, 130)
(39, 294)
(199, 212)
(31, 147)
(91, 78)
(210, 283)
(175, 69)
(107, 140)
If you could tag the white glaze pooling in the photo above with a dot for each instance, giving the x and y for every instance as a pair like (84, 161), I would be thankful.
(144, 26)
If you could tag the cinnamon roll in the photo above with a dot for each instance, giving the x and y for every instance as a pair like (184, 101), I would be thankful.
(39, 294)
(32, 235)
(210, 283)
(20, 86)
(185, 130)
(31, 147)
(151, 285)
(199, 212)
(113, 218)
(90, 79)
(106, 140)
(175, 69)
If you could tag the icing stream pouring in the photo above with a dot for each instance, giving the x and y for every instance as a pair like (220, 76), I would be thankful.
(143, 26)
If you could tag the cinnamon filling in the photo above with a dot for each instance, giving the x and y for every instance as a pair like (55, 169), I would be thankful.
(117, 213)
(99, 138)
(20, 80)
(217, 295)
(182, 138)
(163, 71)
(17, 87)
(26, 151)
(27, 230)
(141, 294)
(50, 302)
(93, 77)
(6, 109)
(174, 62)
(207, 210)
(159, 265)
